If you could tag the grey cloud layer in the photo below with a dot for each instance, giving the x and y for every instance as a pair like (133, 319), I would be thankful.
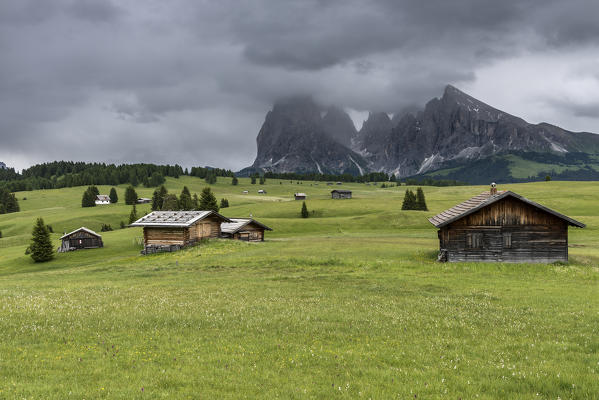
(190, 81)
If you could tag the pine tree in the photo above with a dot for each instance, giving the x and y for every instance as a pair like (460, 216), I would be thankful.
(130, 195)
(41, 245)
(262, 180)
(114, 197)
(234, 181)
(420, 200)
(224, 203)
(253, 180)
(88, 199)
(305, 213)
(170, 203)
(158, 198)
(196, 202)
(94, 190)
(409, 201)
(133, 215)
(185, 202)
(207, 200)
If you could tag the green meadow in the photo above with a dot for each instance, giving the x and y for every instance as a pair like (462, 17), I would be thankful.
(349, 303)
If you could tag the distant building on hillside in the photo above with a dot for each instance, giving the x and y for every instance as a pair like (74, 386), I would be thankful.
(244, 229)
(261, 191)
(173, 230)
(81, 238)
(341, 194)
(102, 199)
(300, 196)
(502, 226)
(143, 200)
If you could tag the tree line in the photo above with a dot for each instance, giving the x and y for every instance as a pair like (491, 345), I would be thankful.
(59, 174)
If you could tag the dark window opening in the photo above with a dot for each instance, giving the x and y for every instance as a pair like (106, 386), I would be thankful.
(474, 240)
(507, 240)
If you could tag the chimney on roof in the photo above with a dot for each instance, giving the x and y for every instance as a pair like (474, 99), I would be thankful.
(493, 189)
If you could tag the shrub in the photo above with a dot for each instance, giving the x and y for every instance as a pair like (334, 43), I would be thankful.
(305, 213)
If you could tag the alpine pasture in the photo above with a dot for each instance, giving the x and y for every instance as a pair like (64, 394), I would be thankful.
(347, 303)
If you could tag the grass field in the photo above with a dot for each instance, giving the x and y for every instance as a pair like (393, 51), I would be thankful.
(349, 303)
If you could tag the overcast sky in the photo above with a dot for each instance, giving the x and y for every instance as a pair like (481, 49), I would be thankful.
(190, 81)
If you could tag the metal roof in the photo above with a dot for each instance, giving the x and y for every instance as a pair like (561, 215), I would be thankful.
(485, 199)
(237, 224)
(83, 228)
(103, 197)
(300, 195)
(341, 191)
(181, 219)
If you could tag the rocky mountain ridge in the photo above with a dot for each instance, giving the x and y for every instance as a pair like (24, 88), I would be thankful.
(300, 136)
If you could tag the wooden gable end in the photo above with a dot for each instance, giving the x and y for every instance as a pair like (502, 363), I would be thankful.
(509, 211)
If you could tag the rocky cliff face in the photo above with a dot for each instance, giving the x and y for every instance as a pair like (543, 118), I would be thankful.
(2, 165)
(298, 136)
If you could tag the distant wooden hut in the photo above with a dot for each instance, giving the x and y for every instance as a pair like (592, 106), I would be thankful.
(261, 191)
(244, 229)
(81, 238)
(502, 226)
(172, 230)
(341, 194)
(300, 196)
(143, 200)
(102, 199)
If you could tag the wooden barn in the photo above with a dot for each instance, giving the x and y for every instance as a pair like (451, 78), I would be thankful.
(244, 229)
(81, 238)
(300, 196)
(502, 226)
(341, 194)
(172, 230)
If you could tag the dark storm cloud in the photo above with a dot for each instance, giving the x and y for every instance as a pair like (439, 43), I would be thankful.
(190, 81)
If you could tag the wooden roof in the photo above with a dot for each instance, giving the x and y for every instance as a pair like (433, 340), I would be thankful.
(483, 200)
(102, 197)
(341, 191)
(237, 224)
(83, 228)
(181, 219)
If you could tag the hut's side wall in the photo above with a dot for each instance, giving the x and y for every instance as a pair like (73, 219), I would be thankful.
(207, 228)
(510, 231)
(163, 236)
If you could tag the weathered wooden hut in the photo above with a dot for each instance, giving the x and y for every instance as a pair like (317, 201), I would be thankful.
(341, 194)
(172, 230)
(244, 229)
(502, 226)
(300, 196)
(81, 238)
(143, 200)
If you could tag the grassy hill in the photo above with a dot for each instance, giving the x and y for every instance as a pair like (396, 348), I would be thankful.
(348, 303)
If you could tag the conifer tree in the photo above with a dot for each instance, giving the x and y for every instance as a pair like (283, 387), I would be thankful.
(234, 181)
(158, 198)
(114, 197)
(224, 203)
(262, 179)
(196, 202)
(41, 245)
(420, 200)
(130, 195)
(253, 181)
(133, 215)
(185, 201)
(305, 213)
(88, 199)
(170, 203)
(207, 200)
(409, 201)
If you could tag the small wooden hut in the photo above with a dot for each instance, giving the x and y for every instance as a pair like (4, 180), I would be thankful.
(341, 194)
(172, 230)
(81, 238)
(300, 196)
(244, 229)
(502, 226)
(102, 199)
